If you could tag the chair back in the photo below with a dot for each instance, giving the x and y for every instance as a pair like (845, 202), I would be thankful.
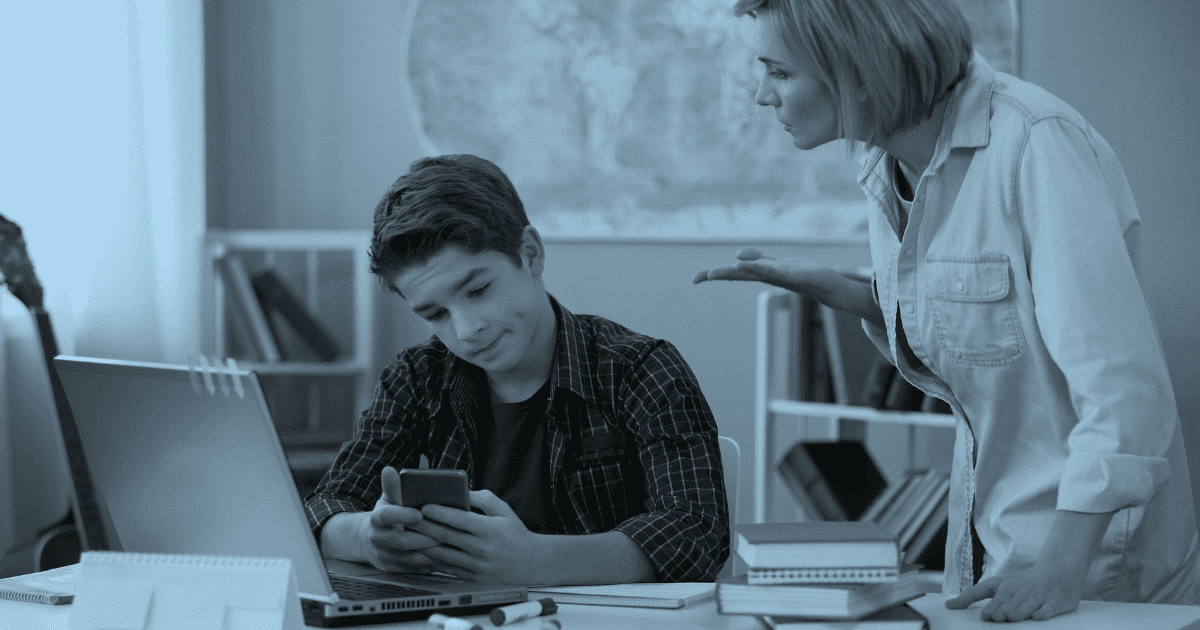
(731, 461)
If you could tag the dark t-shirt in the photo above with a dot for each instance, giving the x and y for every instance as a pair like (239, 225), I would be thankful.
(513, 458)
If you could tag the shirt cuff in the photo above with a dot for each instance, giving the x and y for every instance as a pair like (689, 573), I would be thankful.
(677, 554)
(1107, 482)
(320, 508)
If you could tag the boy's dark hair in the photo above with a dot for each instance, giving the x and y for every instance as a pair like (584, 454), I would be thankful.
(461, 200)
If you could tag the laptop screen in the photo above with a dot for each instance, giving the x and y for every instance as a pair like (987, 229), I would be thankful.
(188, 462)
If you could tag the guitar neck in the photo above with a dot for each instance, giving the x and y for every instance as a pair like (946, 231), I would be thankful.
(89, 515)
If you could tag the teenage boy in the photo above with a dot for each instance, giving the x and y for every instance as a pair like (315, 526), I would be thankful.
(591, 451)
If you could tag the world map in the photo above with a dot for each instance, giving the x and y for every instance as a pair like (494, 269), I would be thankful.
(636, 119)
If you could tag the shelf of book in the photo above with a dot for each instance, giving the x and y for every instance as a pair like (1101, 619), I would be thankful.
(297, 308)
(789, 373)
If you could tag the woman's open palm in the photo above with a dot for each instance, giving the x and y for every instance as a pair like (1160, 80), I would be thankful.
(794, 274)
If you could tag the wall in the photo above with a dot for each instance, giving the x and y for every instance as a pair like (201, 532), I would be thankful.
(1128, 67)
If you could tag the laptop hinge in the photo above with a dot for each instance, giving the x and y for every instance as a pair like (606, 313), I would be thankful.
(331, 599)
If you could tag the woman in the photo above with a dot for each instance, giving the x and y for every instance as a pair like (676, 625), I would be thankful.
(1005, 245)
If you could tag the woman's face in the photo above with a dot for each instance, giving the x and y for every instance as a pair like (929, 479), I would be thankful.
(801, 101)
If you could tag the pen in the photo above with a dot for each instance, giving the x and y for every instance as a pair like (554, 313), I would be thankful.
(517, 612)
(505, 615)
(446, 622)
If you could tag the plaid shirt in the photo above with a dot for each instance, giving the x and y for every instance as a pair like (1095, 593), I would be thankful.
(632, 442)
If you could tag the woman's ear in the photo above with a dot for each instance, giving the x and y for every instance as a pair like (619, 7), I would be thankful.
(533, 253)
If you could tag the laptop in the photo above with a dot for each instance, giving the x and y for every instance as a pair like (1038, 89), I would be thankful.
(186, 459)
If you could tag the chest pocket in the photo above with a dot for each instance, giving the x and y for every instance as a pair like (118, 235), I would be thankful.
(974, 313)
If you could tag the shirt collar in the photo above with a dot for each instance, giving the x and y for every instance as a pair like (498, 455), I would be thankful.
(570, 369)
(967, 119)
(971, 106)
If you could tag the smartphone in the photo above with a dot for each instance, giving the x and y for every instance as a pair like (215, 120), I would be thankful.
(422, 486)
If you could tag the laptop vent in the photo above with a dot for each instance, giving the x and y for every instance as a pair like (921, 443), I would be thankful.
(418, 603)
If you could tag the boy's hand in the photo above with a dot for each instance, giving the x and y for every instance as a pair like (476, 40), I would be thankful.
(389, 545)
(493, 546)
(1039, 592)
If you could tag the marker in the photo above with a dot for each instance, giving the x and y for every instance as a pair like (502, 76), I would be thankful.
(505, 615)
(446, 622)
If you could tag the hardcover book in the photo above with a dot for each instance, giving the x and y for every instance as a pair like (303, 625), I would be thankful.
(901, 617)
(831, 602)
(818, 545)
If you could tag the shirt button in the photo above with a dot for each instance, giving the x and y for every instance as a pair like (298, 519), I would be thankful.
(910, 308)
(959, 285)
(910, 251)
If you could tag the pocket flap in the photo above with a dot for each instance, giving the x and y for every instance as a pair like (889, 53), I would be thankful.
(980, 280)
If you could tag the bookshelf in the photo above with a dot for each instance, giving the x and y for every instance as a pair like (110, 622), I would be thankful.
(779, 373)
(314, 402)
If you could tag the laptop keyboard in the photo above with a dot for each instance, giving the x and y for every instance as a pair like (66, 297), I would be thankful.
(359, 590)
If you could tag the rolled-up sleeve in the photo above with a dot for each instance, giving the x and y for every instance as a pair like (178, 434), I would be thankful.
(382, 438)
(1093, 318)
(685, 530)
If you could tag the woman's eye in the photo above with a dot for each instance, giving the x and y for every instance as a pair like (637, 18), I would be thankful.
(480, 291)
(778, 74)
(436, 315)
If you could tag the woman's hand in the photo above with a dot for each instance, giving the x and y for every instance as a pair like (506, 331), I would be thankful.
(801, 275)
(1039, 592)
(793, 274)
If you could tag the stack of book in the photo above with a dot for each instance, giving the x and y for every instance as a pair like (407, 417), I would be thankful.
(821, 574)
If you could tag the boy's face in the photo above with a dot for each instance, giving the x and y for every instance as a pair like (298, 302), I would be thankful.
(486, 310)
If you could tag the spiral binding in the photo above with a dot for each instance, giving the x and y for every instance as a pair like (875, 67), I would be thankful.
(199, 368)
(32, 598)
(239, 562)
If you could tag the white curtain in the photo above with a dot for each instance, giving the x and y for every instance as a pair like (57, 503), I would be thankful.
(102, 165)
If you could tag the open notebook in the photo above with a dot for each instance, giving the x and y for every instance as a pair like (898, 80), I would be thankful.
(657, 595)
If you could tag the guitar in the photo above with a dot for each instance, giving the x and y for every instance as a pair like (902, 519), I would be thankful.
(91, 520)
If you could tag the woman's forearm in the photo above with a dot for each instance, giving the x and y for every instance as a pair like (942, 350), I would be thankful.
(1073, 539)
(845, 294)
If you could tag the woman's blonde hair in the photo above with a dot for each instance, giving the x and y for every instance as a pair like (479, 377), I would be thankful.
(887, 63)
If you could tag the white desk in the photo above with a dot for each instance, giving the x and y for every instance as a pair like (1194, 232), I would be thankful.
(1089, 616)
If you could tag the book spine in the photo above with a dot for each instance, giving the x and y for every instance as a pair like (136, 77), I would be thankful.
(935, 522)
(275, 295)
(246, 303)
(928, 505)
(808, 485)
(821, 576)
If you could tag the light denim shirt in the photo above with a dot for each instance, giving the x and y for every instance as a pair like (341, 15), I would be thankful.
(1016, 282)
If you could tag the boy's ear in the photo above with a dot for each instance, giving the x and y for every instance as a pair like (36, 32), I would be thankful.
(532, 251)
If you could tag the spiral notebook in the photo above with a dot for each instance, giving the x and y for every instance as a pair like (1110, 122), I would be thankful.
(188, 461)
(56, 586)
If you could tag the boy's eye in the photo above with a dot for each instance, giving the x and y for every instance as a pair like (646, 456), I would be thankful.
(436, 315)
(478, 292)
